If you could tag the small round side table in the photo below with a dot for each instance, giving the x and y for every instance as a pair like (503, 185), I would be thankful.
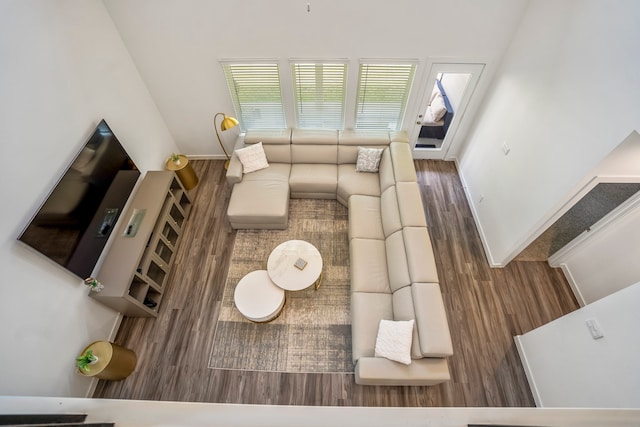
(258, 298)
(185, 172)
(114, 362)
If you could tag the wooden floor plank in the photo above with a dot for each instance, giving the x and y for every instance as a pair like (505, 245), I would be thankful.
(486, 307)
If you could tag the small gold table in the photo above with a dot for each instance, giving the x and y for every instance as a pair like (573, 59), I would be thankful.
(185, 172)
(114, 362)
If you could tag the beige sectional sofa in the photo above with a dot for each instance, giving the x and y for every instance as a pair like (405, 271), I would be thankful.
(393, 271)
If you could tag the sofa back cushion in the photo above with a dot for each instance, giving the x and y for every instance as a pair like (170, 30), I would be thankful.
(404, 309)
(410, 205)
(397, 261)
(350, 140)
(420, 258)
(402, 161)
(276, 143)
(389, 211)
(385, 171)
(314, 146)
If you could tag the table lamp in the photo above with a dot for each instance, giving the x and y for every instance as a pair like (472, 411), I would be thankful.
(227, 123)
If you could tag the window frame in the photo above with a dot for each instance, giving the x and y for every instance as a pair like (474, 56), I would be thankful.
(245, 109)
(367, 65)
(336, 73)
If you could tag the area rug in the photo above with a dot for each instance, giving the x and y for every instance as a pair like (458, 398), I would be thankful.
(313, 331)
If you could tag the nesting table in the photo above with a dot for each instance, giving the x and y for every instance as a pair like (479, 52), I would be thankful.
(260, 295)
(258, 298)
(284, 273)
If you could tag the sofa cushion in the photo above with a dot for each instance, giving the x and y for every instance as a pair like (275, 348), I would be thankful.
(259, 204)
(275, 172)
(314, 153)
(364, 217)
(349, 140)
(410, 205)
(252, 158)
(403, 168)
(352, 182)
(313, 179)
(268, 136)
(379, 371)
(393, 341)
(396, 261)
(399, 136)
(276, 143)
(403, 309)
(420, 258)
(367, 309)
(314, 137)
(389, 211)
(368, 266)
(385, 171)
(431, 320)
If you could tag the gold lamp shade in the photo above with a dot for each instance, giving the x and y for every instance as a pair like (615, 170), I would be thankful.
(227, 123)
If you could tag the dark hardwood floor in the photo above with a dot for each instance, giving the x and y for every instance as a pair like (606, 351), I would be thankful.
(486, 307)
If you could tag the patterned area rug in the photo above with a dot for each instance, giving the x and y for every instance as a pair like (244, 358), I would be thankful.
(313, 332)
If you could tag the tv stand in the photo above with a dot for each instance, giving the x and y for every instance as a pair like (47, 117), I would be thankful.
(136, 268)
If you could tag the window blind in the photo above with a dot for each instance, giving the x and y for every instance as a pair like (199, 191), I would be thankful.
(319, 93)
(383, 91)
(255, 91)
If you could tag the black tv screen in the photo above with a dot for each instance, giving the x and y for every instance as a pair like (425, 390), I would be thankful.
(73, 224)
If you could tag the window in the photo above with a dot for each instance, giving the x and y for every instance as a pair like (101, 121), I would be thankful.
(383, 91)
(256, 95)
(319, 93)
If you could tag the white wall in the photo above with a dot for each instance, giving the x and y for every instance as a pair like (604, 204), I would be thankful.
(605, 259)
(567, 368)
(64, 68)
(564, 97)
(454, 85)
(177, 45)
(126, 413)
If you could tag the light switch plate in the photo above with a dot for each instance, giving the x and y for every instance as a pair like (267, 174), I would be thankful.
(594, 328)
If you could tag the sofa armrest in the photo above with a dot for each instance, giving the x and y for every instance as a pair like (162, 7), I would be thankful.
(234, 173)
(381, 371)
(431, 320)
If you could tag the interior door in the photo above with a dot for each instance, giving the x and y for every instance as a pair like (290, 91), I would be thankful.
(433, 134)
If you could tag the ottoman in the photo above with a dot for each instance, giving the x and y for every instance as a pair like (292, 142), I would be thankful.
(258, 298)
(259, 205)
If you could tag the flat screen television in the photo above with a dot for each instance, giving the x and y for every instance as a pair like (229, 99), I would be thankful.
(74, 222)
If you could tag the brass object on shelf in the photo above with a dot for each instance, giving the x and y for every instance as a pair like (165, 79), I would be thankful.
(185, 172)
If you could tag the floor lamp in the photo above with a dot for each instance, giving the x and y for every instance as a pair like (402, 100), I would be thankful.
(227, 123)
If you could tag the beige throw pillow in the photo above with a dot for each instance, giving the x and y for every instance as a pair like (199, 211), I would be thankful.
(368, 159)
(252, 158)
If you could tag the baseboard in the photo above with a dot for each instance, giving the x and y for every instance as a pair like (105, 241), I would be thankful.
(572, 283)
(527, 371)
(112, 336)
(206, 157)
(474, 213)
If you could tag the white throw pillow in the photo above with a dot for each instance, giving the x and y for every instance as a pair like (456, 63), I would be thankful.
(438, 109)
(368, 159)
(394, 340)
(252, 158)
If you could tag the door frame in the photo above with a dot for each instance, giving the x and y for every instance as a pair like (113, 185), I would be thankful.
(461, 117)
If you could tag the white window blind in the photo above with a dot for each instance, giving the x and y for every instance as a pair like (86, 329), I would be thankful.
(383, 91)
(319, 92)
(255, 91)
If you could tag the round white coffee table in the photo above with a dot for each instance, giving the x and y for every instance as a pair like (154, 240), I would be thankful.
(258, 298)
(284, 273)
